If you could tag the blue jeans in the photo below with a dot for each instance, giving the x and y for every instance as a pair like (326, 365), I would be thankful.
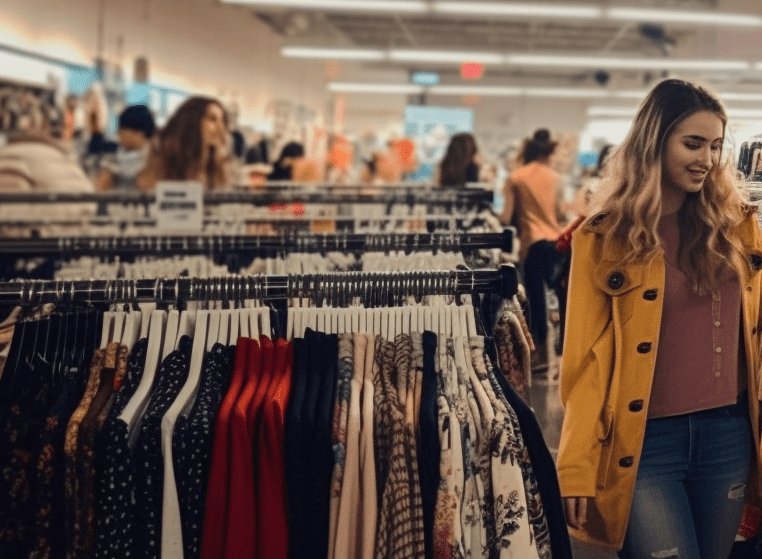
(690, 489)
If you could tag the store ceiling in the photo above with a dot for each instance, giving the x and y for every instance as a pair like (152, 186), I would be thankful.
(332, 28)
(434, 31)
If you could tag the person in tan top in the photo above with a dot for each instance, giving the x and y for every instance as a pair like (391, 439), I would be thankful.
(532, 204)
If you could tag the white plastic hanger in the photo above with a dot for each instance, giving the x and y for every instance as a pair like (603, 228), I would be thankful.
(224, 332)
(119, 319)
(170, 334)
(213, 331)
(235, 323)
(131, 329)
(186, 326)
(136, 405)
(108, 328)
(265, 320)
(172, 546)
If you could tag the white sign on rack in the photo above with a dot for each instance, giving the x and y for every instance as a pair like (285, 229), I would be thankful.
(179, 206)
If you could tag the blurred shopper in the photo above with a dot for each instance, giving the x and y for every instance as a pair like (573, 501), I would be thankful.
(532, 205)
(38, 163)
(283, 169)
(461, 162)
(194, 145)
(659, 378)
(136, 128)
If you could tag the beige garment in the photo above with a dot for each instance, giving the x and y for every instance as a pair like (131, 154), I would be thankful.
(532, 192)
(345, 481)
(369, 493)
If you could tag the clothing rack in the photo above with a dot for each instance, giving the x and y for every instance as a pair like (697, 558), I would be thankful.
(374, 288)
(433, 221)
(410, 195)
(259, 245)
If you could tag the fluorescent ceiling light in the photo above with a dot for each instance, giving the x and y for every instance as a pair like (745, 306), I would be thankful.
(486, 90)
(744, 113)
(331, 53)
(396, 6)
(631, 94)
(567, 92)
(616, 112)
(612, 111)
(401, 89)
(758, 66)
(517, 9)
(741, 96)
(625, 63)
(684, 17)
(445, 56)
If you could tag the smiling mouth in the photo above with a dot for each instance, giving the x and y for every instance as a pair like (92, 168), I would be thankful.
(698, 175)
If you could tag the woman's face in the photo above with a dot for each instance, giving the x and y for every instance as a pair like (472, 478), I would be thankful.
(214, 131)
(691, 151)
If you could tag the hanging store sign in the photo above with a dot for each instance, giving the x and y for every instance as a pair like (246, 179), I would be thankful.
(179, 206)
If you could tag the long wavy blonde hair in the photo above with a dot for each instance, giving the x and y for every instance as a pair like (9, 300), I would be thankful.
(631, 197)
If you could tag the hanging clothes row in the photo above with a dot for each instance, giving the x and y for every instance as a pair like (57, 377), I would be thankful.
(381, 432)
(132, 257)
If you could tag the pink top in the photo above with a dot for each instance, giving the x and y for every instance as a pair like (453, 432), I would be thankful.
(697, 364)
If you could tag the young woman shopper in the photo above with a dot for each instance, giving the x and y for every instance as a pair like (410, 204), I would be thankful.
(659, 449)
(194, 145)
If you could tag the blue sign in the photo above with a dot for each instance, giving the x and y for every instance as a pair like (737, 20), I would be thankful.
(425, 78)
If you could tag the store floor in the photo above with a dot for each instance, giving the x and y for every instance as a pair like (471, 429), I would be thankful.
(546, 402)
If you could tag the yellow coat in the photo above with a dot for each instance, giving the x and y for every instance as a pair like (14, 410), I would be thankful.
(612, 333)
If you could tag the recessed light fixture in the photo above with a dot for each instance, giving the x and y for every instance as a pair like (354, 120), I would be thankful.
(455, 57)
(517, 9)
(660, 15)
(391, 88)
(332, 53)
(393, 6)
(626, 63)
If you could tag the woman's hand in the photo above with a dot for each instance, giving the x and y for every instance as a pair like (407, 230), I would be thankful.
(576, 511)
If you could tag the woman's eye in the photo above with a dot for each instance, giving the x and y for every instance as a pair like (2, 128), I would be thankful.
(716, 148)
(692, 146)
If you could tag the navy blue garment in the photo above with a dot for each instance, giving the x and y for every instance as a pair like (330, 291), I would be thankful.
(293, 451)
(309, 435)
(542, 462)
(322, 451)
(115, 485)
(192, 443)
(428, 456)
(148, 459)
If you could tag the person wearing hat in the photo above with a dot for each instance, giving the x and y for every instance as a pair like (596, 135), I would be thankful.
(136, 128)
(532, 205)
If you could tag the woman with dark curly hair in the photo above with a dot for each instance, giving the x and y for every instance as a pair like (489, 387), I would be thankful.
(194, 145)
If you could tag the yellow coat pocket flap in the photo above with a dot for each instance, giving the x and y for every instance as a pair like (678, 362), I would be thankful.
(616, 279)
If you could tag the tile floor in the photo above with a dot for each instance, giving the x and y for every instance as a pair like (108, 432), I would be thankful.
(545, 400)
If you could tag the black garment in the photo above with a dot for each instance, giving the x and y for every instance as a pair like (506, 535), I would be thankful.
(115, 485)
(542, 462)
(321, 467)
(148, 458)
(192, 443)
(292, 449)
(309, 435)
(72, 350)
(544, 265)
(280, 173)
(29, 402)
(428, 457)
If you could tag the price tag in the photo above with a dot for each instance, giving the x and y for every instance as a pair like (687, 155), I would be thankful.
(179, 206)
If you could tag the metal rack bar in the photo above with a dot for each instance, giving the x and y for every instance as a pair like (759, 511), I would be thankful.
(273, 244)
(379, 287)
(410, 196)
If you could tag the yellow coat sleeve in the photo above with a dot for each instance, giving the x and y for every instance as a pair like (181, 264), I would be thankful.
(586, 370)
